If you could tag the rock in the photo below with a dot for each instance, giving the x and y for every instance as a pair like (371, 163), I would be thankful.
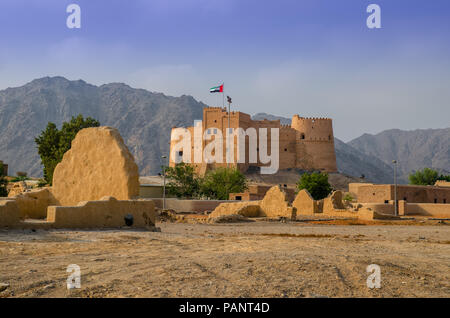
(3, 286)
(99, 164)
(49, 286)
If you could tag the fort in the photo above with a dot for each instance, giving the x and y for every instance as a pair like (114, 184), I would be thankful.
(306, 144)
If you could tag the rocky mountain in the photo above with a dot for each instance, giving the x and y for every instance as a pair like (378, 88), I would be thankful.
(413, 150)
(262, 116)
(143, 118)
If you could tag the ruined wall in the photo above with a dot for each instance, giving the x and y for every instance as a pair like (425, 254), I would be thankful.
(195, 206)
(276, 204)
(105, 213)
(98, 164)
(305, 204)
(9, 214)
(33, 204)
(247, 209)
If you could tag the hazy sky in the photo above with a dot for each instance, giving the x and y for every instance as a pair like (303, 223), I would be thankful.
(311, 57)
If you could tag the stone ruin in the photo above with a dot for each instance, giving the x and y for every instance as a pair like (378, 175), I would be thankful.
(95, 185)
(97, 165)
(274, 205)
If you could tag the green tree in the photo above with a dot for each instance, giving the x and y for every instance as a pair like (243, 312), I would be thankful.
(316, 183)
(53, 143)
(219, 183)
(426, 176)
(3, 183)
(444, 178)
(183, 181)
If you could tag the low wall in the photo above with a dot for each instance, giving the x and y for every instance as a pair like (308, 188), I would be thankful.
(105, 213)
(196, 206)
(247, 209)
(383, 208)
(33, 205)
(9, 213)
(438, 210)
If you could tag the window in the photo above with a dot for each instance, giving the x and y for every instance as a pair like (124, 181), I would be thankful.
(285, 149)
(386, 201)
(238, 197)
(435, 200)
(180, 153)
(445, 201)
(215, 131)
(405, 199)
(302, 136)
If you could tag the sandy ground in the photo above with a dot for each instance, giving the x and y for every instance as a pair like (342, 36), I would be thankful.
(258, 259)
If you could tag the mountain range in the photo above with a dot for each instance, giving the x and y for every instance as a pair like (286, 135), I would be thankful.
(145, 119)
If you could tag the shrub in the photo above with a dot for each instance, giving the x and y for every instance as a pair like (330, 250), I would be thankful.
(183, 181)
(219, 183)
(316, 183)
(426, 176)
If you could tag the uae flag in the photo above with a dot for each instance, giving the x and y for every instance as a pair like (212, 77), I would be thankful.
(217, 89)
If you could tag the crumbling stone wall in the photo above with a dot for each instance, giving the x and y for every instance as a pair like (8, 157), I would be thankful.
(305, 204)
(9, 213)
(247, 209)
(34, 204)
(98, 164)
(107, 212)
(276, 204)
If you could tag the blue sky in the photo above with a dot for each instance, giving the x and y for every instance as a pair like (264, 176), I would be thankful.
(312, 57)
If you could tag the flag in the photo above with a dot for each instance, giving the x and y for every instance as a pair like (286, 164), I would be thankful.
(216, 89)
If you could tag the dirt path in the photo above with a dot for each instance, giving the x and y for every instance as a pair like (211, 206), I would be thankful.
(259, 259)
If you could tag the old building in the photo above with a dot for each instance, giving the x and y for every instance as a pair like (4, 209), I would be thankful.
(307, 144)
(383, 193)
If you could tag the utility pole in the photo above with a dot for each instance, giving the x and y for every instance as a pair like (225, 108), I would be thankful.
(229, 121)
(164, 184)
(395, 187)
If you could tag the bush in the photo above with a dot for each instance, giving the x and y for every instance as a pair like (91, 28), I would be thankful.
(348, 197)
(53, 143)
(17, 179)
(426, 176)
(316, 183)
(183, 181)
(219, 183)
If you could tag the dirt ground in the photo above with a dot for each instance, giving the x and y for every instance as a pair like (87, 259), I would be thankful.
(257, 259)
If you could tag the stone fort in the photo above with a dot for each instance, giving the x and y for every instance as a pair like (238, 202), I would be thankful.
(306, 144)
